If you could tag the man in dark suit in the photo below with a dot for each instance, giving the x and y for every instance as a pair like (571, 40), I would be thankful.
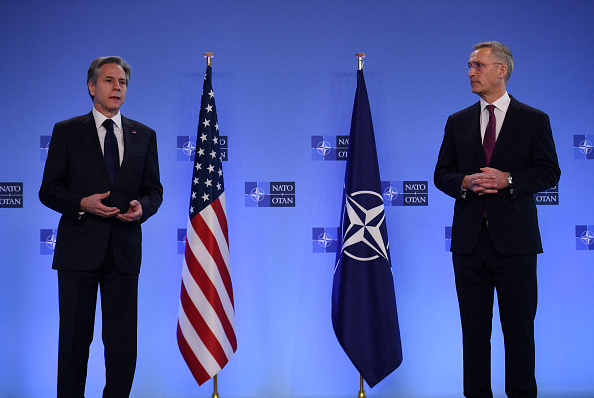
(102, 175)
(495, 234)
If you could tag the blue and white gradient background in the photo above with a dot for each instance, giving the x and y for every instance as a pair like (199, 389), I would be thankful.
(282, 73)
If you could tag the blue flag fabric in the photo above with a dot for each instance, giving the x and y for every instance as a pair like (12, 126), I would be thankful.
(364, 314)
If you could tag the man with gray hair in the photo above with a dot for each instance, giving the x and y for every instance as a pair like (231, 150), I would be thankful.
(495, 155)
(102, 176)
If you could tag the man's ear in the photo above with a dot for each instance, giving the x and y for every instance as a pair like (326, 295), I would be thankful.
(502, 71)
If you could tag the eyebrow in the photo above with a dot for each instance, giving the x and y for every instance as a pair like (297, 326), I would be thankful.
(113, 77)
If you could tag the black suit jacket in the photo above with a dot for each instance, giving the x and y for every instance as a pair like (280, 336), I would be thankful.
(526, 149)
(75, 169)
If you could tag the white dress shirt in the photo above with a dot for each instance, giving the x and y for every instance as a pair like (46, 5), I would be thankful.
(500, 111)
(117, 129)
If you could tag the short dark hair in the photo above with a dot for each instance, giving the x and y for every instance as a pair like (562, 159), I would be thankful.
(93, 73)
(502, 53)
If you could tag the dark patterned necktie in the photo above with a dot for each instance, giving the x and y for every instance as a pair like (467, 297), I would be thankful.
(111, 153)
(489, 139)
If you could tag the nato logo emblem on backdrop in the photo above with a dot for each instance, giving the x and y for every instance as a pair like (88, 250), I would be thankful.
(181, 240)
(324, 240)
(11, 195)
(548, 197)
(186, 148)
(405, 193)
(583, 146)
(584, 237)
(329, 147)
(47, 241)
(269, 194)
(44, 142)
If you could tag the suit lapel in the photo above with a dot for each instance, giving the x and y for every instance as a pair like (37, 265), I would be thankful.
(474, 129)
(91, 141)
(90, 137)
(130, 137)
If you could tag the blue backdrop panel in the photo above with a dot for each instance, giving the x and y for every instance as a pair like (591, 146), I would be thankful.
(283, 73)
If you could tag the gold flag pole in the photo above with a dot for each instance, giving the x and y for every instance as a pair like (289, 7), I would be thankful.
(360, 56)
(215, 393)
(208, 56)
(361, 390)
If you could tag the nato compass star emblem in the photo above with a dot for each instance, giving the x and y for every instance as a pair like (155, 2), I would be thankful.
(391, 193)
(324, 148)
(189, 148)
(50, 242)
(363, 222)
(257, 194)
(325, 240)
(585, 147)
(587, 237)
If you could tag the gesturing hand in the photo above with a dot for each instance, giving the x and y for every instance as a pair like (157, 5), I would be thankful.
(133, 214)
(92, 204)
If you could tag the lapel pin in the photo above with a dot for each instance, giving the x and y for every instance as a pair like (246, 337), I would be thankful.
(134, 132)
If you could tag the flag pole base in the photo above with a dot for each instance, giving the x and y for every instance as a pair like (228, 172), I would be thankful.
(361, 390)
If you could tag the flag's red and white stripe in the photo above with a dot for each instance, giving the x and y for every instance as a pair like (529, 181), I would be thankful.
(206, 325)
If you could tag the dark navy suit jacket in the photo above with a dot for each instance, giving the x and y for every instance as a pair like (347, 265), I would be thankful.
(526, 149)
(75, 169)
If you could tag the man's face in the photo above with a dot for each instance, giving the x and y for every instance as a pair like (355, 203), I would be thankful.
(489, 78)
(110, 90)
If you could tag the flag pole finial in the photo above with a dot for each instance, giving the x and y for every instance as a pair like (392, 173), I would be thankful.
(208, 56)
(360, 57)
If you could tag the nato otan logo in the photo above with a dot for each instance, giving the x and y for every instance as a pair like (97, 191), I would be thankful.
(329, 147)
(181, 240)
(186, 148)
(405, 193)
(269, 194)
(324, 240)
(47, 241)
(11, 195)
(44, 142)
(584, 237)
(548, 197)
(583, 146)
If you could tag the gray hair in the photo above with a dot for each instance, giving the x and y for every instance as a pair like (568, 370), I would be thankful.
(502, 53)
(94, 72)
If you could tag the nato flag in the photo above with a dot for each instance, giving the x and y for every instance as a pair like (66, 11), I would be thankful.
(364, 312)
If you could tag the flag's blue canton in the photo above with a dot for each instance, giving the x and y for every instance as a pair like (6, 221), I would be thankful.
(207, 180)
(364, 312)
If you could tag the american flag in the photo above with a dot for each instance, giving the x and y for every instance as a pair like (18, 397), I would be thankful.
(206, 324)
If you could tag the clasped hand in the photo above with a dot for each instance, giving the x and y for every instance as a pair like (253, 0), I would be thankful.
(489, 180)
(92, 204)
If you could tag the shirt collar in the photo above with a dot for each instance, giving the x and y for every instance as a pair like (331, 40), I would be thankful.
(100, 118)
(502, 103)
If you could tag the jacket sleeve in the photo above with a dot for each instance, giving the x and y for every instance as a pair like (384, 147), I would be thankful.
(543, 171)
(151, 190)
(54, 192)
(446, 176)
